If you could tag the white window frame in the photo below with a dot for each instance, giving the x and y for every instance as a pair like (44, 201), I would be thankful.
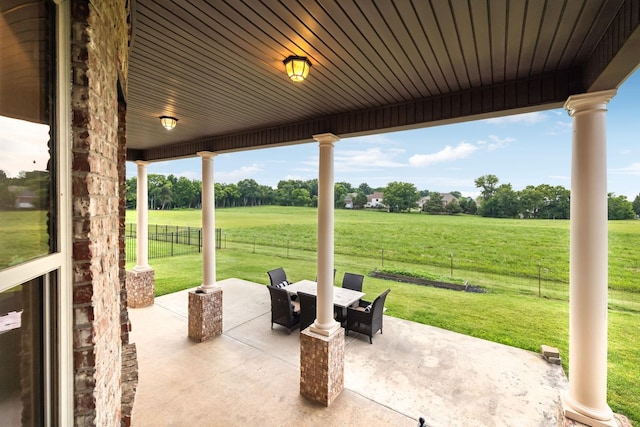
(59, 262)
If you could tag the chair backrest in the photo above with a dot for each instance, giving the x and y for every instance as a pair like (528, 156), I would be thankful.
(308, 304)
(281, 311)
(353, 281)
(378, 304)
(277, 276)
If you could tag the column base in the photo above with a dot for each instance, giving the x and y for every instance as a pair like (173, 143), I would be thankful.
(140, 288)
(570, 417)
(321, 366)
(205, 314)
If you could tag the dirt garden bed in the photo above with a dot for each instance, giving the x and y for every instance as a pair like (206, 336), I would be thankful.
(426, 282)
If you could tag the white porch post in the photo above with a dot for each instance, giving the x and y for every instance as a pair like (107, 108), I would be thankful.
(586, 399)
(325, 323)
(208, 223)
(142, 211)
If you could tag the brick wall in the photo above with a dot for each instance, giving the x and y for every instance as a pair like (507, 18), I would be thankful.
(99, 40)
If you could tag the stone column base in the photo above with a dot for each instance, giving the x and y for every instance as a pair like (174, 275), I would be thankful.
(321, 366)
(205, 314)
(564, 420)
(140, 288)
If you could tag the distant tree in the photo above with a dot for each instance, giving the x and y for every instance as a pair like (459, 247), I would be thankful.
(557, 202)
(249, 192)
(502, 204)
(434, 203)
(619, 207)
(468, 205)
(184, 193)
(456, 194)
(311, 186)
(339, 194)
(3, 175)
(267, 195)
(364, 187)
(424, 193)
(453, 208)
(488, 184)
(7, 198)
(131, 192)
(636, 205)
(347, 186)
(400, 196)
(360, 200)
(300, 197)
(532, 201)
(165, 195)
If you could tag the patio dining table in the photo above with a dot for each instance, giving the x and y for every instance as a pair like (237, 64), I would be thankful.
(342, 297)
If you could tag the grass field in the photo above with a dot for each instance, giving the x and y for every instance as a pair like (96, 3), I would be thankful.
(490, 253)
(23, 236)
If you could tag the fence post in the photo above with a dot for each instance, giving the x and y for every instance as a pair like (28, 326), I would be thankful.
(452, 264)
(189, 236)
(287, 248)
(254, 243)
(199, 240)
(539, 279)
(171, 244)
(382, 257)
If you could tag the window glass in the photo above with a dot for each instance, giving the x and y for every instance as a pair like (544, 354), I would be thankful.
(21, 354)
(26, 206)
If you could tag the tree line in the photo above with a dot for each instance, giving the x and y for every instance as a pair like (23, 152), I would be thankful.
(496, 200)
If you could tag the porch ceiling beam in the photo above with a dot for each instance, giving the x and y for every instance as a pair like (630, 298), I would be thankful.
(536, 93)
(617, 54)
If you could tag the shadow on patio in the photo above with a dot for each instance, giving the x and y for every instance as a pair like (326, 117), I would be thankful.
(250, 375)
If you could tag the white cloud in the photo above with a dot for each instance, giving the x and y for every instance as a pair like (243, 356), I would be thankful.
(632, 169)
(189, 175)
(560, 127)
(447, 154)
(526, 118)
(244, 172)
(374, 158)
(499, 142)
(560, 177)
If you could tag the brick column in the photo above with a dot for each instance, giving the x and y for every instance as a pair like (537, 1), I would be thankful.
(321, 365)
(141, 279)
(205, 314)
(205, 303)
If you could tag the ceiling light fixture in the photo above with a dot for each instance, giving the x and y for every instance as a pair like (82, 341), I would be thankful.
(297, 67)
(168, 122)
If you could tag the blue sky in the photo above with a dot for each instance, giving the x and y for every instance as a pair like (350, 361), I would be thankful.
(527, 149)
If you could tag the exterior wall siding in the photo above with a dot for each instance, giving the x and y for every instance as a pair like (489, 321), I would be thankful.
(99, 43)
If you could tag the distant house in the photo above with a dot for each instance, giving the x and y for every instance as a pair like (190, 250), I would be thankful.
(349, 199)
(26, 199)
(446, 199)
(375, 200)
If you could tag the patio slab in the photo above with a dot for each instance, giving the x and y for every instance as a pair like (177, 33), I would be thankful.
(250, 374)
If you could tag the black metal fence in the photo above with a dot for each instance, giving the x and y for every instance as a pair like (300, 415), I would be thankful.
(167, 241)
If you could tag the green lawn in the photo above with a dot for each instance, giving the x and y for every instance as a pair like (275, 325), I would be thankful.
(23, 236)
(510, 312)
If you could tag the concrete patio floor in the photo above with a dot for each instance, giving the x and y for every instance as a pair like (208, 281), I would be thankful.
(250, 374)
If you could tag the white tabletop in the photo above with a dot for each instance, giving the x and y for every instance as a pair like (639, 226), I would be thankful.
(342, 297)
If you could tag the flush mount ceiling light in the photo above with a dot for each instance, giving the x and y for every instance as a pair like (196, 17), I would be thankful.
(168, 122)
(297, 67)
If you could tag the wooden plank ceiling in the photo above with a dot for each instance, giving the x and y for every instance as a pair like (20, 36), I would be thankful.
(376, 65)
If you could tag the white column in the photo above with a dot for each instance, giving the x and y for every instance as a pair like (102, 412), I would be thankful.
(208, 223)
(586, 399)
(142, 227)
(325, 323)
